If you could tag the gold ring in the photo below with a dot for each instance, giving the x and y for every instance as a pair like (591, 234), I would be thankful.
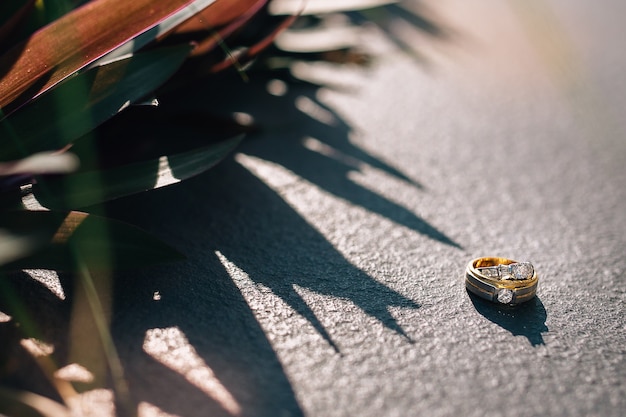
(501, 280)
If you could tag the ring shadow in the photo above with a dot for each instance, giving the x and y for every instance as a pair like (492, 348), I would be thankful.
(527, 319)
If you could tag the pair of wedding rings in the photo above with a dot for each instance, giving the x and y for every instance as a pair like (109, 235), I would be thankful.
(501, 280)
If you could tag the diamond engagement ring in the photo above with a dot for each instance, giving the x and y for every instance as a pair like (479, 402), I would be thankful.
(501, 280)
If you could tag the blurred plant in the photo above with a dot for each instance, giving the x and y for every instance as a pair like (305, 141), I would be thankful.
(90, 111)
(80, 125)
(80, 122)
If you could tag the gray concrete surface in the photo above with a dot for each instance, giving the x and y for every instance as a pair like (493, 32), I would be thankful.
(326, 258)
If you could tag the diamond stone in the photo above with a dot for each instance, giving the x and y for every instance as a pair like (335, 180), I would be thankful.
(522, 270)
(505, 296)
(491, 273)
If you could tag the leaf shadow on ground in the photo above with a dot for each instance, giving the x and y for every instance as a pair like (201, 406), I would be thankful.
(416, 15)
(199, 301)
(223, 366)
(231, 211)
(290, 120)
(36, 313)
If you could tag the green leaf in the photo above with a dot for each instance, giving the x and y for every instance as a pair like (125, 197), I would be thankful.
(83, 102)
(173, 165)
(28, 404)
(75, 238)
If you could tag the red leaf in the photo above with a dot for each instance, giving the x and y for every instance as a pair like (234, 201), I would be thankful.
(74, 41)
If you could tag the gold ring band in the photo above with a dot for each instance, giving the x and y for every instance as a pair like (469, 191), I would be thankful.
(501, 280)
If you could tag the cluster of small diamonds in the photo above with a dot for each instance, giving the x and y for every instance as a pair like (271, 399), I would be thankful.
(521, 270)
(518, 270)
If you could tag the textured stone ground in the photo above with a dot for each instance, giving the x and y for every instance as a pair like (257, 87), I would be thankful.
(326, 258)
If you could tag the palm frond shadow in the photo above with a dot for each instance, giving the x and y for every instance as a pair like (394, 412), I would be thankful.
(278, 115)
(407, 25)
(418, 17)
(37, 313)
(259, 232)
(231, 211)
(199, 300)
(288, 252)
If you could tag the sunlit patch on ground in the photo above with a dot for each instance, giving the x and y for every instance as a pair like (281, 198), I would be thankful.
(170, 347)
(244, 119)
(149, 410)
(277, 87)
(74, 373)
(37, 347)
(327, 150)
(49, 279)
(281, 319)
(29, 200)
(165, 176)
(95, 403)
